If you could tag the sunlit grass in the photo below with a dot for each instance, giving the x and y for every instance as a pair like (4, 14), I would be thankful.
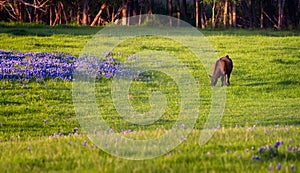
(264, 92)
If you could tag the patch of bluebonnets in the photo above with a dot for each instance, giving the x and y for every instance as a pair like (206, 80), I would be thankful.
(57, 65)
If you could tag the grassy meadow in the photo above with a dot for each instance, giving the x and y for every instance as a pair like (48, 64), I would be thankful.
(262, 107)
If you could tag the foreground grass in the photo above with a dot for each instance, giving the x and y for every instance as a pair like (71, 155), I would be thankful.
(264, 92)
(230, 150)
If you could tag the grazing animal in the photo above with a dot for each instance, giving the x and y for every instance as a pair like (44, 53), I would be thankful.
(222, 68)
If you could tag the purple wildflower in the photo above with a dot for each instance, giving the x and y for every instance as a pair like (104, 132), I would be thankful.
(267, 131)
(247, 150)
(69, 142)
(255, 158)
(95, 131)
(278, 166)
(45, 121)
(254, 127)
(270, 168)
(28, 149)
(292, 167)
(276, 145)
(226, 150)
(290, 148)
(84, 143)
(75, 130)
(182, 126)
(110, 131)
(291, 141)
(261, 149)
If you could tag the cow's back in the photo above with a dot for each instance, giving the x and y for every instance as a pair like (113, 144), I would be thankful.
(228, 64)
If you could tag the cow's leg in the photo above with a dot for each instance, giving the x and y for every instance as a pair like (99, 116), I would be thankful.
(223, 80)
(228, 78)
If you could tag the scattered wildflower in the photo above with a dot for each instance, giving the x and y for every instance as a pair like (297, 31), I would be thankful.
(226, 150)
(75, 130)
(28, 149)
(111, 131)
(255, 158)
(247, 150)
(292, 167)
(84, 143)
(182, 126)
(254, 127)
(291, 141)
(208, 153)
(261, 149)
(278, 166)
(45, 121)
(290, 148)
(270, 168)
(276, 145)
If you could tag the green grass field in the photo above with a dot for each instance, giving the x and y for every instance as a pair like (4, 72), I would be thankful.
(262, 107)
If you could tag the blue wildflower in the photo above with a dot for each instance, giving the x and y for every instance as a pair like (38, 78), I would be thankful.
(278, 166)
(276, 145)
(292, 167)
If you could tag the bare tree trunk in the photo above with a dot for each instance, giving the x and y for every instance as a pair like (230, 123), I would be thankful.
(51, 14)
(234, 14)
(202, 15)
(103, 6)
(261, 15)
(170, 7)
(135, 5)
(178, 12)
(128, 11)
(56, 10)
(230, 13)
(78, 14)
(151, 7)
(124, 12)
(64, 12)
(197, 13)
(85, 12)
(184, 9)
(225, 14)
(213, 23)
(280, 12)
(17, 11)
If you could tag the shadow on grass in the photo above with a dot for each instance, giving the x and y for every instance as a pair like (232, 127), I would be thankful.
(25, 29)
(44, 30)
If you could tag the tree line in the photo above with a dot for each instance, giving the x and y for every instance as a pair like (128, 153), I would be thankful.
(200, 13)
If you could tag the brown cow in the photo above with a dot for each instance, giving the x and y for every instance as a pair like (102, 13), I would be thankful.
(221, 68)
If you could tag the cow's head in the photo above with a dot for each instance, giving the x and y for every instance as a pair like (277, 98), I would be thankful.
(213, 80)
